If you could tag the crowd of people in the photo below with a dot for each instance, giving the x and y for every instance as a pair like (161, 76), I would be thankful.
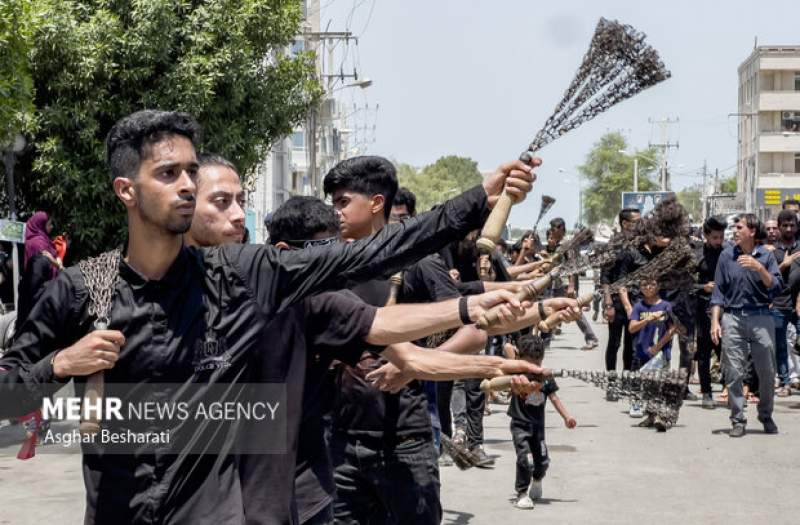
(365, 312)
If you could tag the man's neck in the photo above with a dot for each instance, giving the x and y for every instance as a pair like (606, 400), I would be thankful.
(787, 242)
(377, 225)
(747, 246)
(151, 250)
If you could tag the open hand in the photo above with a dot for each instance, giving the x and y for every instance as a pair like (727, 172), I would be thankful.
(389, 378)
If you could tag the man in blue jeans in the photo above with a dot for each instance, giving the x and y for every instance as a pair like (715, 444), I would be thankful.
(747, 279)
(787, 249)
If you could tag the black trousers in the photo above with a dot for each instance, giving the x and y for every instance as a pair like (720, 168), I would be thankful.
(704, 348)
(532, 458)
(617, 331)
(470, 417)
(444, 393)
(380, 485)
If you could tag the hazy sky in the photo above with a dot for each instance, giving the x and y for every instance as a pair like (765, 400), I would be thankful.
(478, 78)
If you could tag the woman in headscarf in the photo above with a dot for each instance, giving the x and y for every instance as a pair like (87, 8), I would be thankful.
(41, 263)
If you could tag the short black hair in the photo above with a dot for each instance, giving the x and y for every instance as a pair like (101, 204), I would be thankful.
(787, 216)
(531, 346)
(558, 222)
(130, 138)
(712, 224)
(790, 202)
(625, 214)
(300, 218)
(368, 175)
(405, 197)
(213, 159)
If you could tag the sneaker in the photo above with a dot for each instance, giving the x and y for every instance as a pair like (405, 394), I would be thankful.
(784, 391)
(708, 401)
(737, 431)
(690, 396)
(648, 422)
(661, 425)
(535, 490)
(445, 460)
(769, 425)
(591, 345)
(480, 459)
(636, 411)
(524, 502)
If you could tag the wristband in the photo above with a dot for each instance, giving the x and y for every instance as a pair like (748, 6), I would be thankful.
(463, 311)
(542, 315)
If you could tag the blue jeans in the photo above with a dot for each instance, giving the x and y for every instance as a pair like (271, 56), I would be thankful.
(782, 320)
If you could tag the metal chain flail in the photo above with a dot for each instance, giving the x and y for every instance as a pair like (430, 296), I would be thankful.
(101, 275)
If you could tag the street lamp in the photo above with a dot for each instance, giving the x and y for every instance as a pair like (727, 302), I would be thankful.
(10, 158)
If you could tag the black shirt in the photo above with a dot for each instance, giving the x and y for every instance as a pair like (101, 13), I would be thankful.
(531, 409)
(783, 299)
(361, 410)
(231, 294)
(325, 327)
(32, 282)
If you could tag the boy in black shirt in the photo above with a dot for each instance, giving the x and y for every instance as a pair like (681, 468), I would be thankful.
(527, 427)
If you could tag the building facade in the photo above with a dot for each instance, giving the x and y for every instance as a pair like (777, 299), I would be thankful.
(768, 162)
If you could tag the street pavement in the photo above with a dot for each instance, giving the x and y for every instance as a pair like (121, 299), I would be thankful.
(604, 471)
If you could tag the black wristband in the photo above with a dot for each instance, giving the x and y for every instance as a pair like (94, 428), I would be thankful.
(542, 315)
(463, 311)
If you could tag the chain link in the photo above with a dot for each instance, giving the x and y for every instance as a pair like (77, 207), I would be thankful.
(101, 275)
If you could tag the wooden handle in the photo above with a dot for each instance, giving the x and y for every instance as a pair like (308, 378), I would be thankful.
(527, 293)
(554, 320)
(396, 281)
(95, 386)
(498, 384)
(493, 228)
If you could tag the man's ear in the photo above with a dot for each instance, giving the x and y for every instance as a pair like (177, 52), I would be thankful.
(377, 204)
(281, 245)
(125, 191)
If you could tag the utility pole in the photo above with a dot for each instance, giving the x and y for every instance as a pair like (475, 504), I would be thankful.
(705, 198)
(665, 145)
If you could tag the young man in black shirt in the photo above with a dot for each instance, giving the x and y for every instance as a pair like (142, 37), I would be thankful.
(187, 316)
(787, 250)
(707, 257)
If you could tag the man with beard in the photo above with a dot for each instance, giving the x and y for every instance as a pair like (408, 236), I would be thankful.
(787, 250)
(186, 316)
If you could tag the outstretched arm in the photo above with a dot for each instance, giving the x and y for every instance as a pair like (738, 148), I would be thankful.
(569, 421)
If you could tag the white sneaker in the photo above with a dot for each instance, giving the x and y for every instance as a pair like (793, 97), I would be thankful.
(636, 411)
(524, 502)
(535, 490)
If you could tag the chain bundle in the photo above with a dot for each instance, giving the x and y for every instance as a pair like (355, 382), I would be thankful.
(101, 274)
(618, 65)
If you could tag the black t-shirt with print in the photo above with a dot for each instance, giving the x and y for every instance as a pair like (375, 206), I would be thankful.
(531, 409)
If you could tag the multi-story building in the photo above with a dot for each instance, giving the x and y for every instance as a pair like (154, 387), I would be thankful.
(768, 168)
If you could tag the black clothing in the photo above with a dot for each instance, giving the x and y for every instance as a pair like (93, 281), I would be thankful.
(378, 484)
(32, 282)
(618, 332)
(707, 258)
(203, 323)
(783, 299)
(444, 393)
(527, 432)
(315, 332)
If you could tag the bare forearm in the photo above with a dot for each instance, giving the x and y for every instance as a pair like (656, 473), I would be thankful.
(635, 326)
(467, 340)
(435, 365)
(519, 269)
(559, 406)
(625, 300)
(716, 311)
(408, 322)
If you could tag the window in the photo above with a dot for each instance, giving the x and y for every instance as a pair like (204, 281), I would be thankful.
(797, 80)
(298, 140)
(797, 162)
(790, 121)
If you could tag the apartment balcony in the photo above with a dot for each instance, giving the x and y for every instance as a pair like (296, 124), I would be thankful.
(783, 142)
(779, 101)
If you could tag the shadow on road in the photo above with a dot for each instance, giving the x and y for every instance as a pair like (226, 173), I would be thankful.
(453, 517)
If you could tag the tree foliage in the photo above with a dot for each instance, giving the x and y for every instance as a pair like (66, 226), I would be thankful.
(608, 173)
(439, 181)
(691, 199)
(728, 184)
(93, 62)
(16, 83)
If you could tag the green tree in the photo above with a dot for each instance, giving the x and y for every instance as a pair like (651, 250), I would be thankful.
(728, 184)
(16, 83)
(609, 172)
(93, 62)
(690, 197)
(439, 181)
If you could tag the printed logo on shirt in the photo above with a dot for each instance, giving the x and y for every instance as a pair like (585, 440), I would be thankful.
(211, 353)
(535, 398)
(647, 316)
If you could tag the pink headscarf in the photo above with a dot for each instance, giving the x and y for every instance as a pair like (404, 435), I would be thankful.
(36, 238)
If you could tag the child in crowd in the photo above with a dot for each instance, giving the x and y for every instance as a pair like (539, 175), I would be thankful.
(653, 329)
(527, 427)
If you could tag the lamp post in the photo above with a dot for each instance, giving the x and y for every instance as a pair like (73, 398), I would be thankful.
(10, 158)
(636, 167)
